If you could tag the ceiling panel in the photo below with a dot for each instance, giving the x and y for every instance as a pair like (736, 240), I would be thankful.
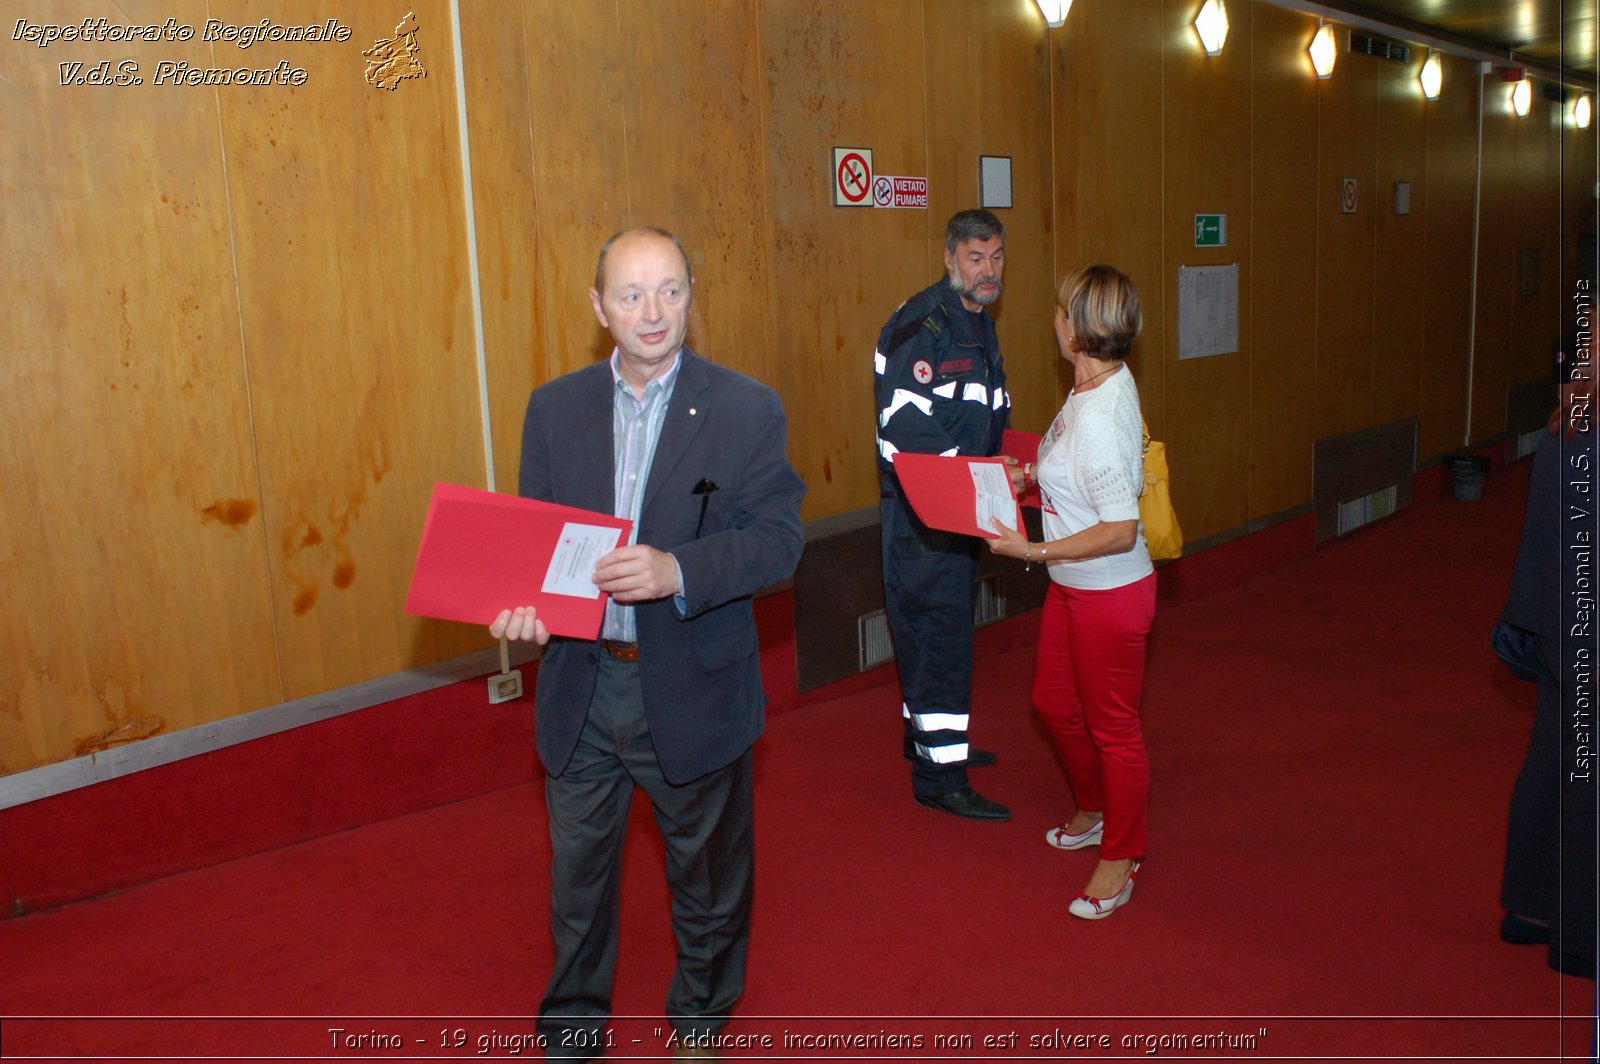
(1555, 33)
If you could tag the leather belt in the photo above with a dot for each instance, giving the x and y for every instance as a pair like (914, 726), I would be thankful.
(620, 651)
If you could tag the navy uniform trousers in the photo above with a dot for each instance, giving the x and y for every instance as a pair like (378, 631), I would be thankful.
(930, 587)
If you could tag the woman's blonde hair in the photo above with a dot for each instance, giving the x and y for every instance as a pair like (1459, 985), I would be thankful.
(1103, 306)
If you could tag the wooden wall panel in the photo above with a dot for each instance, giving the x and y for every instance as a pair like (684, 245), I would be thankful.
(133, 598)
(830, 79)
(1498, 241)
(500, 128)
(1521, 216)
(1580, 169)
(358, 337)
(1206, 168)
(988, 77)
(1345, 244)
(1451, 167)
(581, 177)
(1107, 145)
(1283, 210)
(1536, 316)
(695, 166)
(1399, 269)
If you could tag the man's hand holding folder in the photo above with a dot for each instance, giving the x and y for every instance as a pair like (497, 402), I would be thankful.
(531, 569)
(520, 624)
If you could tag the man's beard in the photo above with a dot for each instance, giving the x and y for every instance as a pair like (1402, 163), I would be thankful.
(982, 299)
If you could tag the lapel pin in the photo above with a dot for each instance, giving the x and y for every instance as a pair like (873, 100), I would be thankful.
(692, 411)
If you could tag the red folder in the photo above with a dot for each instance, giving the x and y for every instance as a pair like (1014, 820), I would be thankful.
(942, 492)
(1024, 447)
(483, 552)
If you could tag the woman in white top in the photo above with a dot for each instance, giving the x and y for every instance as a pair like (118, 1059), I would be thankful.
(1090, 669)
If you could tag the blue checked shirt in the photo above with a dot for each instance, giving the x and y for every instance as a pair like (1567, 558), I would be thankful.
(635, 430)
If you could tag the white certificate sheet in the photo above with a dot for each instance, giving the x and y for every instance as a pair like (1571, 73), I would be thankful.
(571, 569)
(992, 488)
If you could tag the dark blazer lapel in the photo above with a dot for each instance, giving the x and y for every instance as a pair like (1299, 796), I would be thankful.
(597, 420)
(685, 415)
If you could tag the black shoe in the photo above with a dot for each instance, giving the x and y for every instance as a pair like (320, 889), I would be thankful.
(1572, 964)
(976, 758)
(965, 803)
(1521, 931)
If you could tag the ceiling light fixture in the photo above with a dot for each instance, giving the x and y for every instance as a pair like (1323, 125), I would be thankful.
(1432, 77)
(1054, 11)
(1522, 97)
(1212, 26)
(1324, 52)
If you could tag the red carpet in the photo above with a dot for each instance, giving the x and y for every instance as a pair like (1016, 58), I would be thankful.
(1332, 748)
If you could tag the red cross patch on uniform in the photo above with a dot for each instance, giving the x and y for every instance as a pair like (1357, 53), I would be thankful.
(923, 371)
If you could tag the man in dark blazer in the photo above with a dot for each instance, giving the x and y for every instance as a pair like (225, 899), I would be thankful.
(670, 698)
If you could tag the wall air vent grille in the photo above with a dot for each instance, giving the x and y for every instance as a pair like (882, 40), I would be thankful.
(1366, 44)
(991, 604)
(1367, 509)
(874, 646)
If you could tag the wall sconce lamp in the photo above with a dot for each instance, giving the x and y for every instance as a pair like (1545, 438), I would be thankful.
(1054, 11)
(1432, 76)
(1582, 111)
(1212, 26)
(1324, 52)
(1522, 97)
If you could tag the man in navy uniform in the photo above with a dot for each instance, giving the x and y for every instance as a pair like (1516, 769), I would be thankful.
(940, 390)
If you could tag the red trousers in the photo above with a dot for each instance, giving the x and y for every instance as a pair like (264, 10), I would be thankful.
(1087, 682)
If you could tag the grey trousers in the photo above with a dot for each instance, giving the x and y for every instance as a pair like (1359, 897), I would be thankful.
(708, 827)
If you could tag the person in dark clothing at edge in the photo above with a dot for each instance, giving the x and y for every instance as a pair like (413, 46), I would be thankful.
(940, 390)
(1547, 635)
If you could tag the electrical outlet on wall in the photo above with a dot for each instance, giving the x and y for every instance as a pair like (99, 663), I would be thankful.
(505, 686)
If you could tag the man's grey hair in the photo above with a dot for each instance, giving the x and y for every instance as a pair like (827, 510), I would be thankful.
(972, 225)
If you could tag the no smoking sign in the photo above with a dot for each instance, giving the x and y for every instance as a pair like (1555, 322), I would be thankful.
(1347, 195)
(852, 177)
(888, 191)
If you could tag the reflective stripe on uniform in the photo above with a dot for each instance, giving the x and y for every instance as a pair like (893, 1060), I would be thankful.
(903, 398)
(931, 722)
(879, 363)
(946, 391)
(1000, 398)
(977, 393)
(887, 449)
(943, 755)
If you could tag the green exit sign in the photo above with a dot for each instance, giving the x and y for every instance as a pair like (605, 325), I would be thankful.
(1211, 230)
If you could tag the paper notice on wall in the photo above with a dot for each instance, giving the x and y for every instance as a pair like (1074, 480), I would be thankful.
(1208, 310)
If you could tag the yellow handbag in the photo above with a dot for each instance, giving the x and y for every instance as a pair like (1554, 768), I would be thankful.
(1160, 522)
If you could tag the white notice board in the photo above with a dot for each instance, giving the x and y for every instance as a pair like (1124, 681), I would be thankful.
(1208, 310)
